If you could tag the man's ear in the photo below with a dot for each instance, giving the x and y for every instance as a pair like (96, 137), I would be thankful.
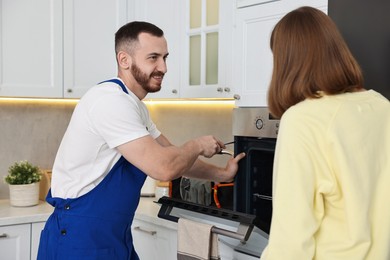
(124, 60)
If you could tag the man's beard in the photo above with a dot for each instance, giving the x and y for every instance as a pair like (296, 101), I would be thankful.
(144, 80)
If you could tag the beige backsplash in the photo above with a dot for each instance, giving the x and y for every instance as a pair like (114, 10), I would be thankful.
(31, 130)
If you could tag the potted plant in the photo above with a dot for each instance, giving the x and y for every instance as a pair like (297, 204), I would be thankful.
(23, 179)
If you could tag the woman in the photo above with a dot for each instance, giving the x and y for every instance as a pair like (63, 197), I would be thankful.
(332, 170)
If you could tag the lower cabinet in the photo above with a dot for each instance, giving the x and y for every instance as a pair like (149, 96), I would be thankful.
(36, 229)
(153, 241)
(15, 242)
(20, 242)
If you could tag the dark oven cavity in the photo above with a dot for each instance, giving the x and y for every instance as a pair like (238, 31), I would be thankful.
(253, 182)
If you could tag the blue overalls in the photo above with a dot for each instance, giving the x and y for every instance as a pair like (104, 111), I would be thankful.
(96, 225)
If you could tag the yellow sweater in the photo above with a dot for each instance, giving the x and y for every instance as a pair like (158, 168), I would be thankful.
(331, 183)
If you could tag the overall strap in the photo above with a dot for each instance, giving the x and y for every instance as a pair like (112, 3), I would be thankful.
(117, 81)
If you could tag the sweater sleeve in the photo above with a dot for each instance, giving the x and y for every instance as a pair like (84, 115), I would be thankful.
(298, 184)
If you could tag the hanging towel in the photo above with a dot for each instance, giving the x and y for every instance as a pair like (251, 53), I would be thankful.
(195, 241)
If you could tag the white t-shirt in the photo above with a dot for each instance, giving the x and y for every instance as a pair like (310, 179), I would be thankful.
(105, 118)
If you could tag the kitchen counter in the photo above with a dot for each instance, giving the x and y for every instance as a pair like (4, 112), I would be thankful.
(147, 211)
(9, 215)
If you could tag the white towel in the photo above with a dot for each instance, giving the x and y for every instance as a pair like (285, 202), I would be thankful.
(196, 241)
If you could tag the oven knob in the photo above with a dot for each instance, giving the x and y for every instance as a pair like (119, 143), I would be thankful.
(259, 124)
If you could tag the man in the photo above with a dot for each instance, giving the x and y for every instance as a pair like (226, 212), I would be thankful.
(109, 148)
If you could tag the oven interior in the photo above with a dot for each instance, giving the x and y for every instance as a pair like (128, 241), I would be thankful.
(253, 183)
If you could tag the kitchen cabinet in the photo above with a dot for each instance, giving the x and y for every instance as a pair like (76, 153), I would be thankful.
(152, 241)
(61, 48)
(252, 59)
(207, 49)
(20, 242)
(89, 54)
(15, 242)
(168, 16)
(36, 229)
(31, 61)
(20, 229)
(57, 48)
(208, 45)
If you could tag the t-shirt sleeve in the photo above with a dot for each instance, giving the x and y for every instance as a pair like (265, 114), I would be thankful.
(118, 119)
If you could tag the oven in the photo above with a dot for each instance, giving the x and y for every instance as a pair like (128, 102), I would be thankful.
(246, 204)
(255, 132)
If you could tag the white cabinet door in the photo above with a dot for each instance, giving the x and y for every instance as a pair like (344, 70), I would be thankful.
(255, 20)
(172, 16)
(36, 229)
(15, 242)
(152, 241)
(225, 87)
(89, 54)
(31, 48)
(168, 16)
(207, 50)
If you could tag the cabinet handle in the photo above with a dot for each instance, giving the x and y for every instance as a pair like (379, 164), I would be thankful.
(4, 235)
(145, 231)
(236, 97)
(69, 90)
(219, 89)
(174, 91)
(227, 90)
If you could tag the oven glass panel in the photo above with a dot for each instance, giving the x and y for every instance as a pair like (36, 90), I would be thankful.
(253, 183)
(261, 165)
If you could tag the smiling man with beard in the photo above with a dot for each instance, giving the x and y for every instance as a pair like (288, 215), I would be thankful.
(109, 148)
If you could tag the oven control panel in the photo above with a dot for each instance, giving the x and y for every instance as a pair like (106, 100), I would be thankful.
(254, 122)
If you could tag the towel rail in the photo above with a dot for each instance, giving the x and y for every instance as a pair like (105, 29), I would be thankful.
(246, 221)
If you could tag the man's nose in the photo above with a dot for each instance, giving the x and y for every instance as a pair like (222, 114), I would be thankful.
(162, 66)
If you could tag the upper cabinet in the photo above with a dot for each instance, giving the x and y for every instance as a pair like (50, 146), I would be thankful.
(89, 51)
(54, 48)
(62, 48)
(217, 48)
(168, 16)
(31, 60)
(252, 58)
(207, 49)
(199, 36)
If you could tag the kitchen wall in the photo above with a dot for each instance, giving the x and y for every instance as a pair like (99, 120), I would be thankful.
(32, 129)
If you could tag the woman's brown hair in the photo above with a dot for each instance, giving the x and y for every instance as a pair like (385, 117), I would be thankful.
(310, 56)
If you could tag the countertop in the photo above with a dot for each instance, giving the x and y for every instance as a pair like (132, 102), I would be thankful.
(147, 211)
(9, 215)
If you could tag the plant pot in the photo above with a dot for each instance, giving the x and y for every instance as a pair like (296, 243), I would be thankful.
(24, 195)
